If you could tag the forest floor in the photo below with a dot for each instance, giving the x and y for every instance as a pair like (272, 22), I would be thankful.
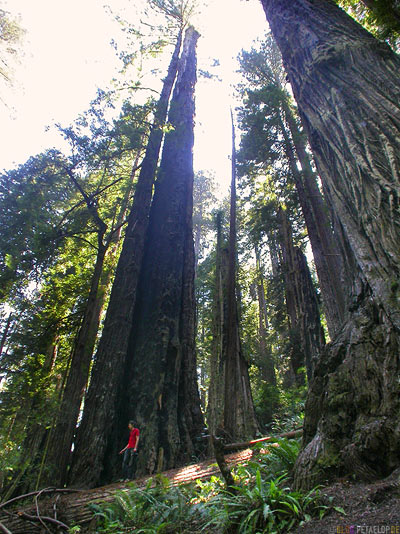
(371, 508)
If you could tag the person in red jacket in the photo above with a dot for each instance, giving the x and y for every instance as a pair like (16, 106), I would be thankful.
(130, 452)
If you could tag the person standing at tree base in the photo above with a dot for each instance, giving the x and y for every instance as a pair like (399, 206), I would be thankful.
(130, 453)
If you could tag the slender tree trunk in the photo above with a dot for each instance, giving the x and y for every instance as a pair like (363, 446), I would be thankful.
(306, 332)
(100, 412)
(58, 450)
(325, 249)
(239, 416)
(266, 360)
(161, 368)
(353, 123)
(60, 446)
(215, 406)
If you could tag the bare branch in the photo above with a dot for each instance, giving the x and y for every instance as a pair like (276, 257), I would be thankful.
(47, 490)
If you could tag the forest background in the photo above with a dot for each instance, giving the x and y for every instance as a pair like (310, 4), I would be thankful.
(64, 216)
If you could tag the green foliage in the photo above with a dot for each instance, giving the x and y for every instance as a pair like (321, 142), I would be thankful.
(155, 509)
(11, 35)
(263, 507)
(261, 501)
(380, 17)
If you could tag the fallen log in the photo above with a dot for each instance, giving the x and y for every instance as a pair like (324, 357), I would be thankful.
(246, 444)
(75, 508)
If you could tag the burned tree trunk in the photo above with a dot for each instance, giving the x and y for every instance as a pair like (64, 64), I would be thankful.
(99, 417)
(239, 417)
(353, 123)
(160, 388)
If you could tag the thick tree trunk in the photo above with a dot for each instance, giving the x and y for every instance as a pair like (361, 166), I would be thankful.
(346, 84)
(190, 416)
(239, 417)
(161, 369)
(99, 417)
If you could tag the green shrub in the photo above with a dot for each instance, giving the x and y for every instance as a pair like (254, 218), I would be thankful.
(262, 507)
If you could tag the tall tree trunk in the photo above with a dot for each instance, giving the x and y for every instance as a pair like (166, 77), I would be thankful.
(239, 416)
(266, 360)
(306, 332)
(58, 449)
(160, 372)
(387, 7)
(325, 250)
(353, 122)
(60, 445)
(215, 407)
(99, 417)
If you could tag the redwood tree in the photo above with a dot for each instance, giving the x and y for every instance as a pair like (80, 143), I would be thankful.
(99, 416)
(305, 330)
(353, 123)
(160, 388)
(239, 416)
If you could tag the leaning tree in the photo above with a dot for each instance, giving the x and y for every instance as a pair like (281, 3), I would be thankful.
(353, 121)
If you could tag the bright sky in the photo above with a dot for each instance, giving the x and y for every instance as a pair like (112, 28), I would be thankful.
(68, 55)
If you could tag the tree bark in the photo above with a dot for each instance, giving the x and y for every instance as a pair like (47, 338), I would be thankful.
(325, 250)
(353, 122)
(266, 359)
(239, 417)
(215, 408)
(306, 333)
(161, 392)
(99, 417)
(58, 450)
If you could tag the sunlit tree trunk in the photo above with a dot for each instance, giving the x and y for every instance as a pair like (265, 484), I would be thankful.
(346, 84)
(323, 243)
(239, 416)
(306, 333)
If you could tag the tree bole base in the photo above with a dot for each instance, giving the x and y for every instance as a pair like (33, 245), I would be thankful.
(352, 423)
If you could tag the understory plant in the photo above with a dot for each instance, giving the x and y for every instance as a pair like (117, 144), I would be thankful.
(261, 501)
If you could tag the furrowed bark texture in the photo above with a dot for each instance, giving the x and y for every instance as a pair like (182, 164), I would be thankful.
(161, 390)
(346, 84)
(99, 417)
(239, 417)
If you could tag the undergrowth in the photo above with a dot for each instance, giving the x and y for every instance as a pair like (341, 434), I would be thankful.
(261, 501)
